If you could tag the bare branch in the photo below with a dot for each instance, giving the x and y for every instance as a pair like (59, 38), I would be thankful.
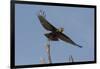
(48, 51)
(71, 59)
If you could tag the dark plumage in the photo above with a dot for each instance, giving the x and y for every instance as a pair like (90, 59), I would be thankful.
(55, 34)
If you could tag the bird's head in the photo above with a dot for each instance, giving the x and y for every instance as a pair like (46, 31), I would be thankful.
(61, 29)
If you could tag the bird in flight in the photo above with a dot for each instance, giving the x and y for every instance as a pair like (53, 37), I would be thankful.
(54, 34)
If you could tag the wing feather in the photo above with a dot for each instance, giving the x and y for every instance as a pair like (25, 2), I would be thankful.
(67, 39)
(46, 24)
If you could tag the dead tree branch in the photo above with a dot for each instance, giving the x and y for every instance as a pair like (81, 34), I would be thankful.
(48, 51)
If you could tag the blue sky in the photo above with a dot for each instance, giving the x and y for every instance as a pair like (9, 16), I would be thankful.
(78, 24)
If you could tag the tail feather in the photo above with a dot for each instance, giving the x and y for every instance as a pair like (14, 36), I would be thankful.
(77, 45)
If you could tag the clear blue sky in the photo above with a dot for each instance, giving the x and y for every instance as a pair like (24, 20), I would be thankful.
(78, 24)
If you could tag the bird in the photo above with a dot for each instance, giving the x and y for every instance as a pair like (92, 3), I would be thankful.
(54, 34)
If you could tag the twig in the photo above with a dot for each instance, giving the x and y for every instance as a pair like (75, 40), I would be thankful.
(71, 59)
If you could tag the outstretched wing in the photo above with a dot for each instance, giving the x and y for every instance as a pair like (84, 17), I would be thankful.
(67, 39)
(46, 24)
